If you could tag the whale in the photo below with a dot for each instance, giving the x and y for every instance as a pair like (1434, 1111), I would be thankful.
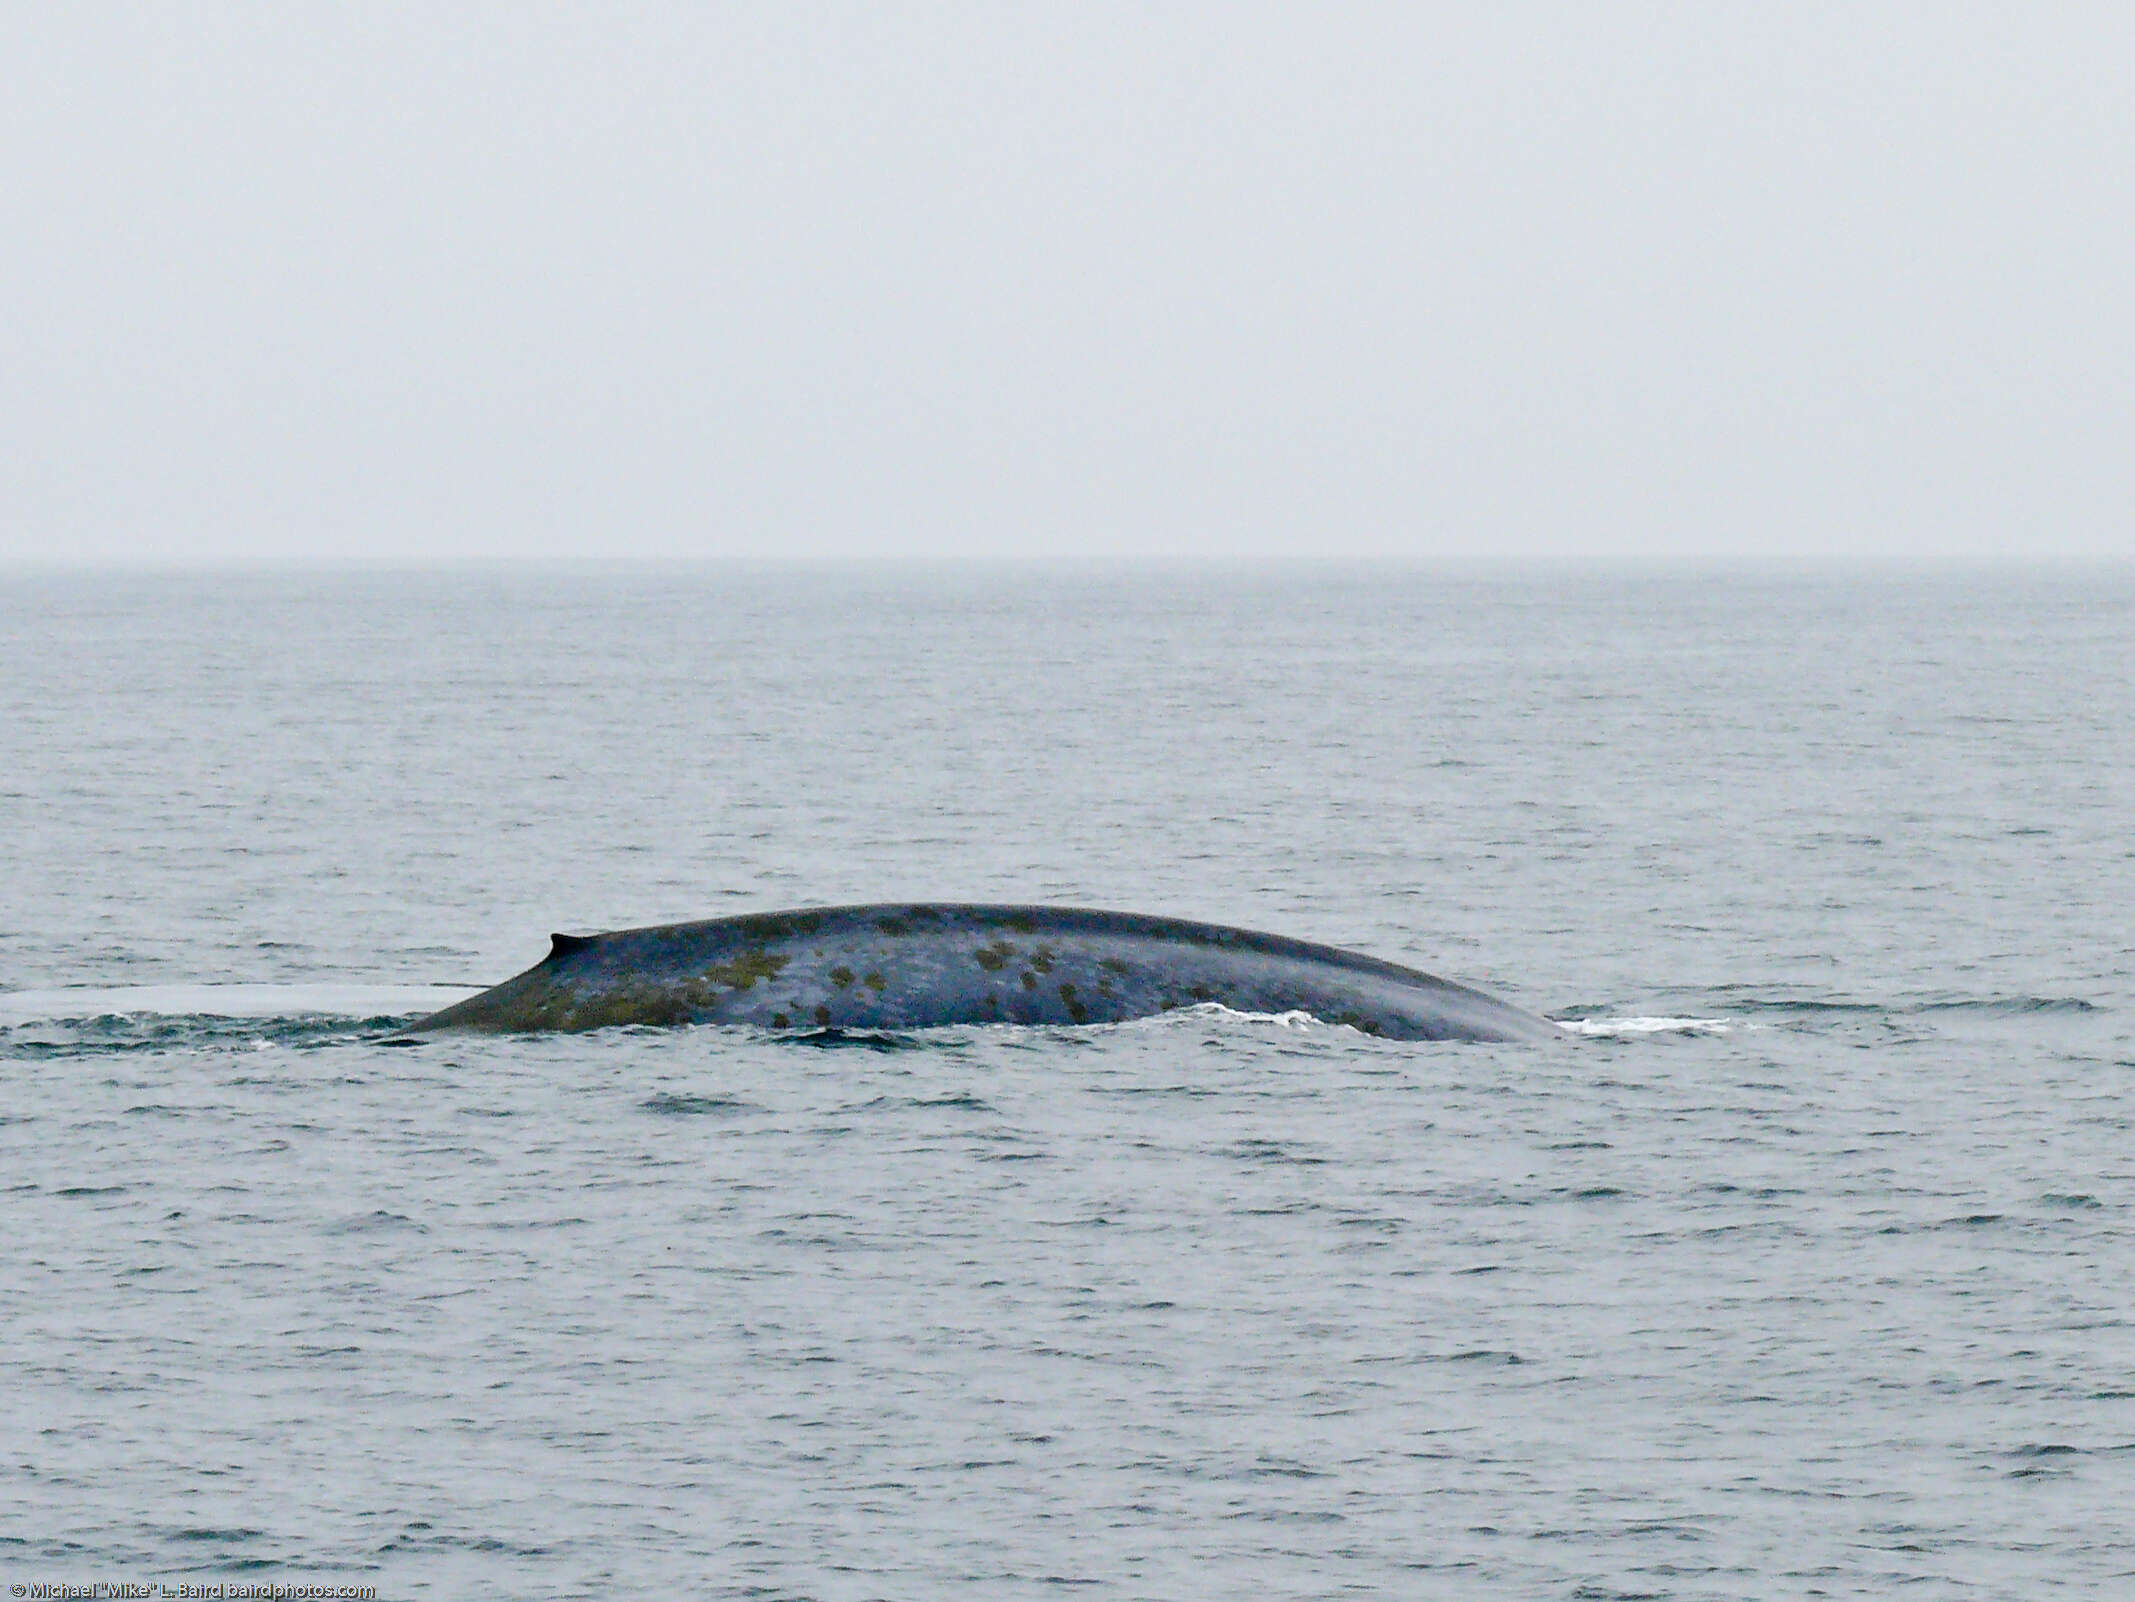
(909, 966)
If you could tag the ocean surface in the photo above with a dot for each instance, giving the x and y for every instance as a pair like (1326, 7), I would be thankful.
(1803, 1266)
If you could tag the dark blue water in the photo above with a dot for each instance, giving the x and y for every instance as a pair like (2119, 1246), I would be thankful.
(1806, 1266)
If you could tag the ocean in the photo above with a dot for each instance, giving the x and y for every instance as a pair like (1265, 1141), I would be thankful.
(1803, 1266)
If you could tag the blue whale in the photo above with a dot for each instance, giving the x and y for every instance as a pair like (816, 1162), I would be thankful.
(921, 966)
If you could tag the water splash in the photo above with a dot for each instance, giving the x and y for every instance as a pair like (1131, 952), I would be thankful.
(1625, 1028)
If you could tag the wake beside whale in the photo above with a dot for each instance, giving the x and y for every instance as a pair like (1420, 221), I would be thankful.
(925, 965)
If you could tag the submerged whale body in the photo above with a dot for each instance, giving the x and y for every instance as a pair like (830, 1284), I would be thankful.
(907, 966)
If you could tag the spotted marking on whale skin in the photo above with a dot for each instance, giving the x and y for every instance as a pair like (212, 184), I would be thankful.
(743, 972)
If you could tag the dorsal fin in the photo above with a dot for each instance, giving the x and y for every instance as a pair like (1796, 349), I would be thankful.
(562, 945)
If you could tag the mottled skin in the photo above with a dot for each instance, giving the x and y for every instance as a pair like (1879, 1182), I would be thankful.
(920, 966)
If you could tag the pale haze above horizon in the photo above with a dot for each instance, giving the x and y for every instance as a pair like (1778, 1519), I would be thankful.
(1234, 282)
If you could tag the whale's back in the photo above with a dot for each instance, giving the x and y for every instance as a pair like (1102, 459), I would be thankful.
(926, 965)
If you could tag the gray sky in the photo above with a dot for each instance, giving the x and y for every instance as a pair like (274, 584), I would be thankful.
(1497, 280)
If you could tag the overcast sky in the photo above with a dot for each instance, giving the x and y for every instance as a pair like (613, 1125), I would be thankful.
(1594, 280)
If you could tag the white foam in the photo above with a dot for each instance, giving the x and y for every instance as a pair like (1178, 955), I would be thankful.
(1296, 1018)
(227, 1001)
(1213, 1011)
(1645, 1026)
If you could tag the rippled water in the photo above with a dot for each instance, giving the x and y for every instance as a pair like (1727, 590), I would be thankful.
(1802, 1266)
